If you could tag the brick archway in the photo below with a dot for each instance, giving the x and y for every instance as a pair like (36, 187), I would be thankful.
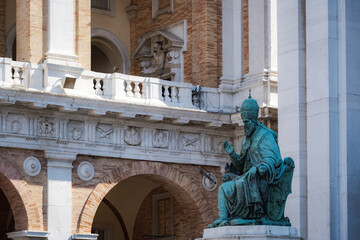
(27, 213)
(180, 186)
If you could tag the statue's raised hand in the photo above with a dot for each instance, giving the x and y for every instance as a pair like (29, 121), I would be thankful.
(229, 147)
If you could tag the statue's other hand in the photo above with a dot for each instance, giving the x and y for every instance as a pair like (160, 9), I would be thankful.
(252, 172)
(226, 177)
(229, 147)
(262, 170)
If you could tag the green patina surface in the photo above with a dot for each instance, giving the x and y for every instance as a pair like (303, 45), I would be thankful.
(257, 182)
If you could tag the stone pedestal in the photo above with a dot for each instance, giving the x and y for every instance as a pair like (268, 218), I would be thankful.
(255, 232)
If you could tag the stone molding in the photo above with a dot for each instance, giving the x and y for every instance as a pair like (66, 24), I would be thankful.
(112, 137)
(27, 235)
(258, 232)
(84, 236)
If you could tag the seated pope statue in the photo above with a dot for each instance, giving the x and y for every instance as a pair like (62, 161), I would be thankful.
(257, 182)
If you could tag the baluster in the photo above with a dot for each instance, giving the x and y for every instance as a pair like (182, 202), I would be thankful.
(137, 90)
(174, 94)
(17, 76)
(167, 94)
(128, 89)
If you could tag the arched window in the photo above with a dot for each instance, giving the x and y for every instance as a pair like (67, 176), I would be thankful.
(108, 53)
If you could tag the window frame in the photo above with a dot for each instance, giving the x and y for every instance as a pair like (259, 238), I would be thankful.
(155, 214)
(109, 12)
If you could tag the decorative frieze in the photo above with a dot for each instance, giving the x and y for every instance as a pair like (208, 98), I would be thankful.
(110, 137)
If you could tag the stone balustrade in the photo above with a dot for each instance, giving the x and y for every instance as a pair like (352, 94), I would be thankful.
(74, 81)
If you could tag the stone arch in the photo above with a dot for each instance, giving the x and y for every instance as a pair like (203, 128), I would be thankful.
(10, 42)
(162, 173)
(27, 213)
(105, 38)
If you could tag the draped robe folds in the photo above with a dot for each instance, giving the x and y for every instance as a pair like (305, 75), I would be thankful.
(243, 196)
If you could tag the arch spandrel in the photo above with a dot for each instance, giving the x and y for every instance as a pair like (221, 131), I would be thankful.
(27, 213)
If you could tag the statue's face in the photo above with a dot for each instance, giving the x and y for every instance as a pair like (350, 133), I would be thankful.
(249, 126)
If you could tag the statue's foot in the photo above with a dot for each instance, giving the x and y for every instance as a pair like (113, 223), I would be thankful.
(218, 223)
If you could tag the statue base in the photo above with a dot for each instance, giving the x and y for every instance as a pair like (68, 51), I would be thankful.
(254, 232)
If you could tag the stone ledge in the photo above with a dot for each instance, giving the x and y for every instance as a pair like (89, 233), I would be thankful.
(256, 232)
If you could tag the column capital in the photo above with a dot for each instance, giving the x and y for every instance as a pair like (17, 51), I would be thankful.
(27, 235)
(60, 159)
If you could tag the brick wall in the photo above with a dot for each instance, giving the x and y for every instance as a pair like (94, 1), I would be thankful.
(26, 195)
(82, 32)
(246, 35)
(201, 61)
(30, 35)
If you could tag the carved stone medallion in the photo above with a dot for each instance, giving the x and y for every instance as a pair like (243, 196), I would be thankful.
(132, 136)
(161, 138)
(76, 133)
(32, 166)
(46, 128)
(209, 185)
(15, 126)
(86, 171)
(189, 141)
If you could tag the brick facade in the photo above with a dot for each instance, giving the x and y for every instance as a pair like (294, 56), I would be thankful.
(82, 32)
(30, 30)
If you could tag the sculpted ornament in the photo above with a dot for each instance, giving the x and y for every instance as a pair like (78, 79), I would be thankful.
(161, 138)
(15, 126)
(257, 182)
(76, 133)
(46, 128)
(132, 136)
(32, 166)
(86, 171)
(208, 184)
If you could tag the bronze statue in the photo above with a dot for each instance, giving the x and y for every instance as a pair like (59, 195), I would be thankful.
(258, 181)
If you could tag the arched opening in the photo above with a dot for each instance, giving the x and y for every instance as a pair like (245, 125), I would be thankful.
(7, 223)
(108, 54)
(178, 206)
(148, 210)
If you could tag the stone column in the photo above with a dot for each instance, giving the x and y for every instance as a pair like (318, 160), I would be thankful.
(232, 36)
(59, 166)
(61, 31)
(292, 104)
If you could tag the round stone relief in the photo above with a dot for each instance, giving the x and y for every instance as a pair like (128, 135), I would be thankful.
(209, 185)
(32, 166)
(86, 171)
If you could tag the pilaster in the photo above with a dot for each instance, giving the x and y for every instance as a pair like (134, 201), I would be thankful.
(292, 105)
(60, 31)
(59, 166)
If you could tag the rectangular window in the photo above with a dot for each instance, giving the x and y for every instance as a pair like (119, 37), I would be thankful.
(163, 222)
(100, 4)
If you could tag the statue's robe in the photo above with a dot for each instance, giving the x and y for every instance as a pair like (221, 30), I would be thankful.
(243, 196)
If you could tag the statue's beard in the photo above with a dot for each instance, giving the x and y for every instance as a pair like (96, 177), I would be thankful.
(249, 129)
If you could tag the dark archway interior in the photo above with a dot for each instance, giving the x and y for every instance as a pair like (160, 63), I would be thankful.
(99, 61)
(7, 223)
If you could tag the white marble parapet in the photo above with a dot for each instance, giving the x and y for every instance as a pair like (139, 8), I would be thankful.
(254, 232)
